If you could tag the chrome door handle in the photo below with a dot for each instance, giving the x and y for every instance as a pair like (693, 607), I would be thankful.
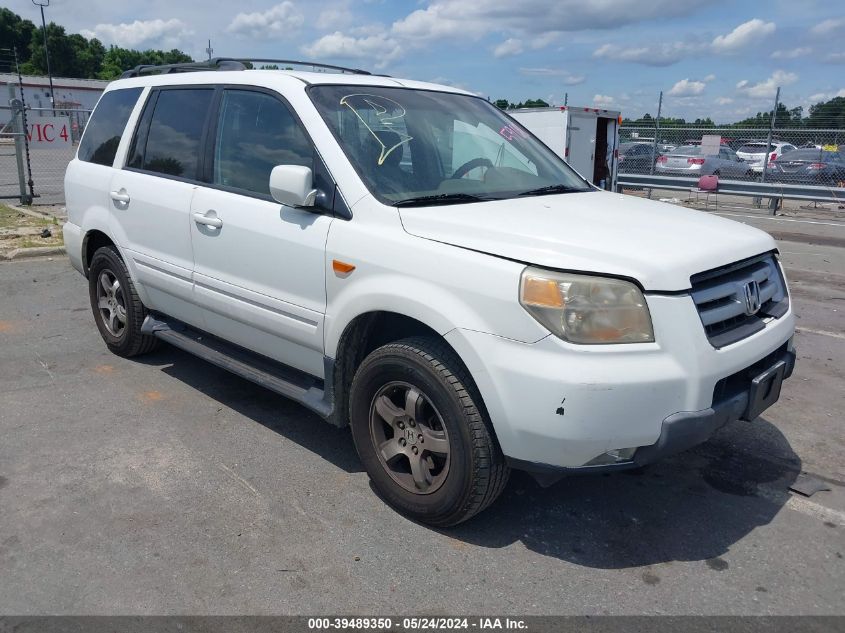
(120, 196)
(212, 221)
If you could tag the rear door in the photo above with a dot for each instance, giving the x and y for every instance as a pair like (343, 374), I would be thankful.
(259, 268)
(582, 143)
(89, 174)
(151, 197)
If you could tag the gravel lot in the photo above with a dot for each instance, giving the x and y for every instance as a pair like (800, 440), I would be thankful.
(163, 485)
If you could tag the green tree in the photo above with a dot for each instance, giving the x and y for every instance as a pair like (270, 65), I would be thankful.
(502, 104)
(15, 32)
(535, 103)
(828, 114)
(116, 60)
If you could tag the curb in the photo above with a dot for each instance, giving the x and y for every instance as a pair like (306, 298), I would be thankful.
(37, 251)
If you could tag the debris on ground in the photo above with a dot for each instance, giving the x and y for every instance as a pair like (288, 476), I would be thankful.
(807, 485)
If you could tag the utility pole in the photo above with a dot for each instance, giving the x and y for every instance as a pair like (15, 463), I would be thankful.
(41, 4)
(769, 142)
(656, 130)
(656, 135)
(209, 50)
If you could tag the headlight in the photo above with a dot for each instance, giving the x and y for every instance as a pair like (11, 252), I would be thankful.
(585, 309)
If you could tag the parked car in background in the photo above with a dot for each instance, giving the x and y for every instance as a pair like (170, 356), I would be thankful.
(809, 167)
(636, 158)
(689, 159)
(754, 152)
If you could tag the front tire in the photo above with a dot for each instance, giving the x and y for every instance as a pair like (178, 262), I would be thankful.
(118, 312)
(420, 430)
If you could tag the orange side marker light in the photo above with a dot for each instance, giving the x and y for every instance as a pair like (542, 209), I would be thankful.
(342, 267)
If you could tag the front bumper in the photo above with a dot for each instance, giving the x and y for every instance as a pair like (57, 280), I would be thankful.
(683, 430)
(559, 406)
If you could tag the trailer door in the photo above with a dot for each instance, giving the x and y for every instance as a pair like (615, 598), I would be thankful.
(582, 143)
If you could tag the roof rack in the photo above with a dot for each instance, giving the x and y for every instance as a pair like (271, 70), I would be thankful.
(227, 63)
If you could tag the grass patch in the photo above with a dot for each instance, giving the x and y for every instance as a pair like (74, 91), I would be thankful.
(21, 230)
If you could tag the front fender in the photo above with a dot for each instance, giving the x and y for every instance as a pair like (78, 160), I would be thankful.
(440, 285)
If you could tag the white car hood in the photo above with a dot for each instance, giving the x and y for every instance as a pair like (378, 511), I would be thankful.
(660, 245)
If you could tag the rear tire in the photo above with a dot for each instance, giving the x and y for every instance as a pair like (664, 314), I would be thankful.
(118, 312)
(421, 433)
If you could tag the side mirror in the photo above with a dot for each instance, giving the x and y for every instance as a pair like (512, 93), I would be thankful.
(293, 185)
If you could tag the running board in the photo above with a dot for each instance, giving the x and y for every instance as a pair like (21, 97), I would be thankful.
(286, 381)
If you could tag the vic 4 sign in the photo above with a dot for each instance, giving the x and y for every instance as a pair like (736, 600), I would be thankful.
(48, 131)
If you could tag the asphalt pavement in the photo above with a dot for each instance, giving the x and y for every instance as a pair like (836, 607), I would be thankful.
(163, 485)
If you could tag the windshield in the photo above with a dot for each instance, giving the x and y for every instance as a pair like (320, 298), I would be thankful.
(424, 147)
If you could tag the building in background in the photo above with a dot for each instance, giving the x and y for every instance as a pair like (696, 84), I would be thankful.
(71, 94)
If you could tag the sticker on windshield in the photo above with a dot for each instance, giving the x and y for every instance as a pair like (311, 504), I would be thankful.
(375, 110)
(510, 132)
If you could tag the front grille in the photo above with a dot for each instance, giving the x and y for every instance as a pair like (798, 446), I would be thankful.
(720, 296)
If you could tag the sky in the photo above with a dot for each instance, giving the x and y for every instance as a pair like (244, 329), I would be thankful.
(721, 59)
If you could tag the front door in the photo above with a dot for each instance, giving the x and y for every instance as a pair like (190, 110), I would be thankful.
(259, 266)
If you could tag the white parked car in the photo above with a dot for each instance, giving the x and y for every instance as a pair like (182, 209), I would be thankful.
(754, 152)
(406, 259)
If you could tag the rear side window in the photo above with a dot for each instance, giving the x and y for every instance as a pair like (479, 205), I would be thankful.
(173, 143)
(256, 132)
(753, 148)
(102, 135)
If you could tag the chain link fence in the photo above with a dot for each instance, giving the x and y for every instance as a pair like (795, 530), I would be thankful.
(804, 156)
(43, 163)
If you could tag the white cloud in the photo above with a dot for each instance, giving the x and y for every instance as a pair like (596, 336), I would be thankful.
(510, 46)
(824, 96)
(767, 88)
(662, 54)
(276, 21)
(745, 34)
(567, 78)
(667, 53)
(828, 26)
(334, 17)
(458, 18)
(792, 53)
(381, 48)
(709, 78)
(142, 33)
(603, 100)
(724, 101)
(687, 88)
(835, 58)
(516, 22)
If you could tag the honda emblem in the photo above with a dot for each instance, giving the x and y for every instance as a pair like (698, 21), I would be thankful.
(752, 297)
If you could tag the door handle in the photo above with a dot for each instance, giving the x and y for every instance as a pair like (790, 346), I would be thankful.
(120, 196)
(208, 220)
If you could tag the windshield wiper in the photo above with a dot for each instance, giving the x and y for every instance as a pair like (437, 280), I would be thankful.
(552, 189)
(442, 198)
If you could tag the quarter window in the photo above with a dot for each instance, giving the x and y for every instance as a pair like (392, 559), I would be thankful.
(102, 136)
(176, 126)
(255, 133)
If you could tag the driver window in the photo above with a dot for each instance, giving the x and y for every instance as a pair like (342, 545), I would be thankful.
(256, 132)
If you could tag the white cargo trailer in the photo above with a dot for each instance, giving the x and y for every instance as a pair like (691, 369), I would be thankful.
(586, 138)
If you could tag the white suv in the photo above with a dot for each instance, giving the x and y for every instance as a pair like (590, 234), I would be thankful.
(754, 152)
(405, 258)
